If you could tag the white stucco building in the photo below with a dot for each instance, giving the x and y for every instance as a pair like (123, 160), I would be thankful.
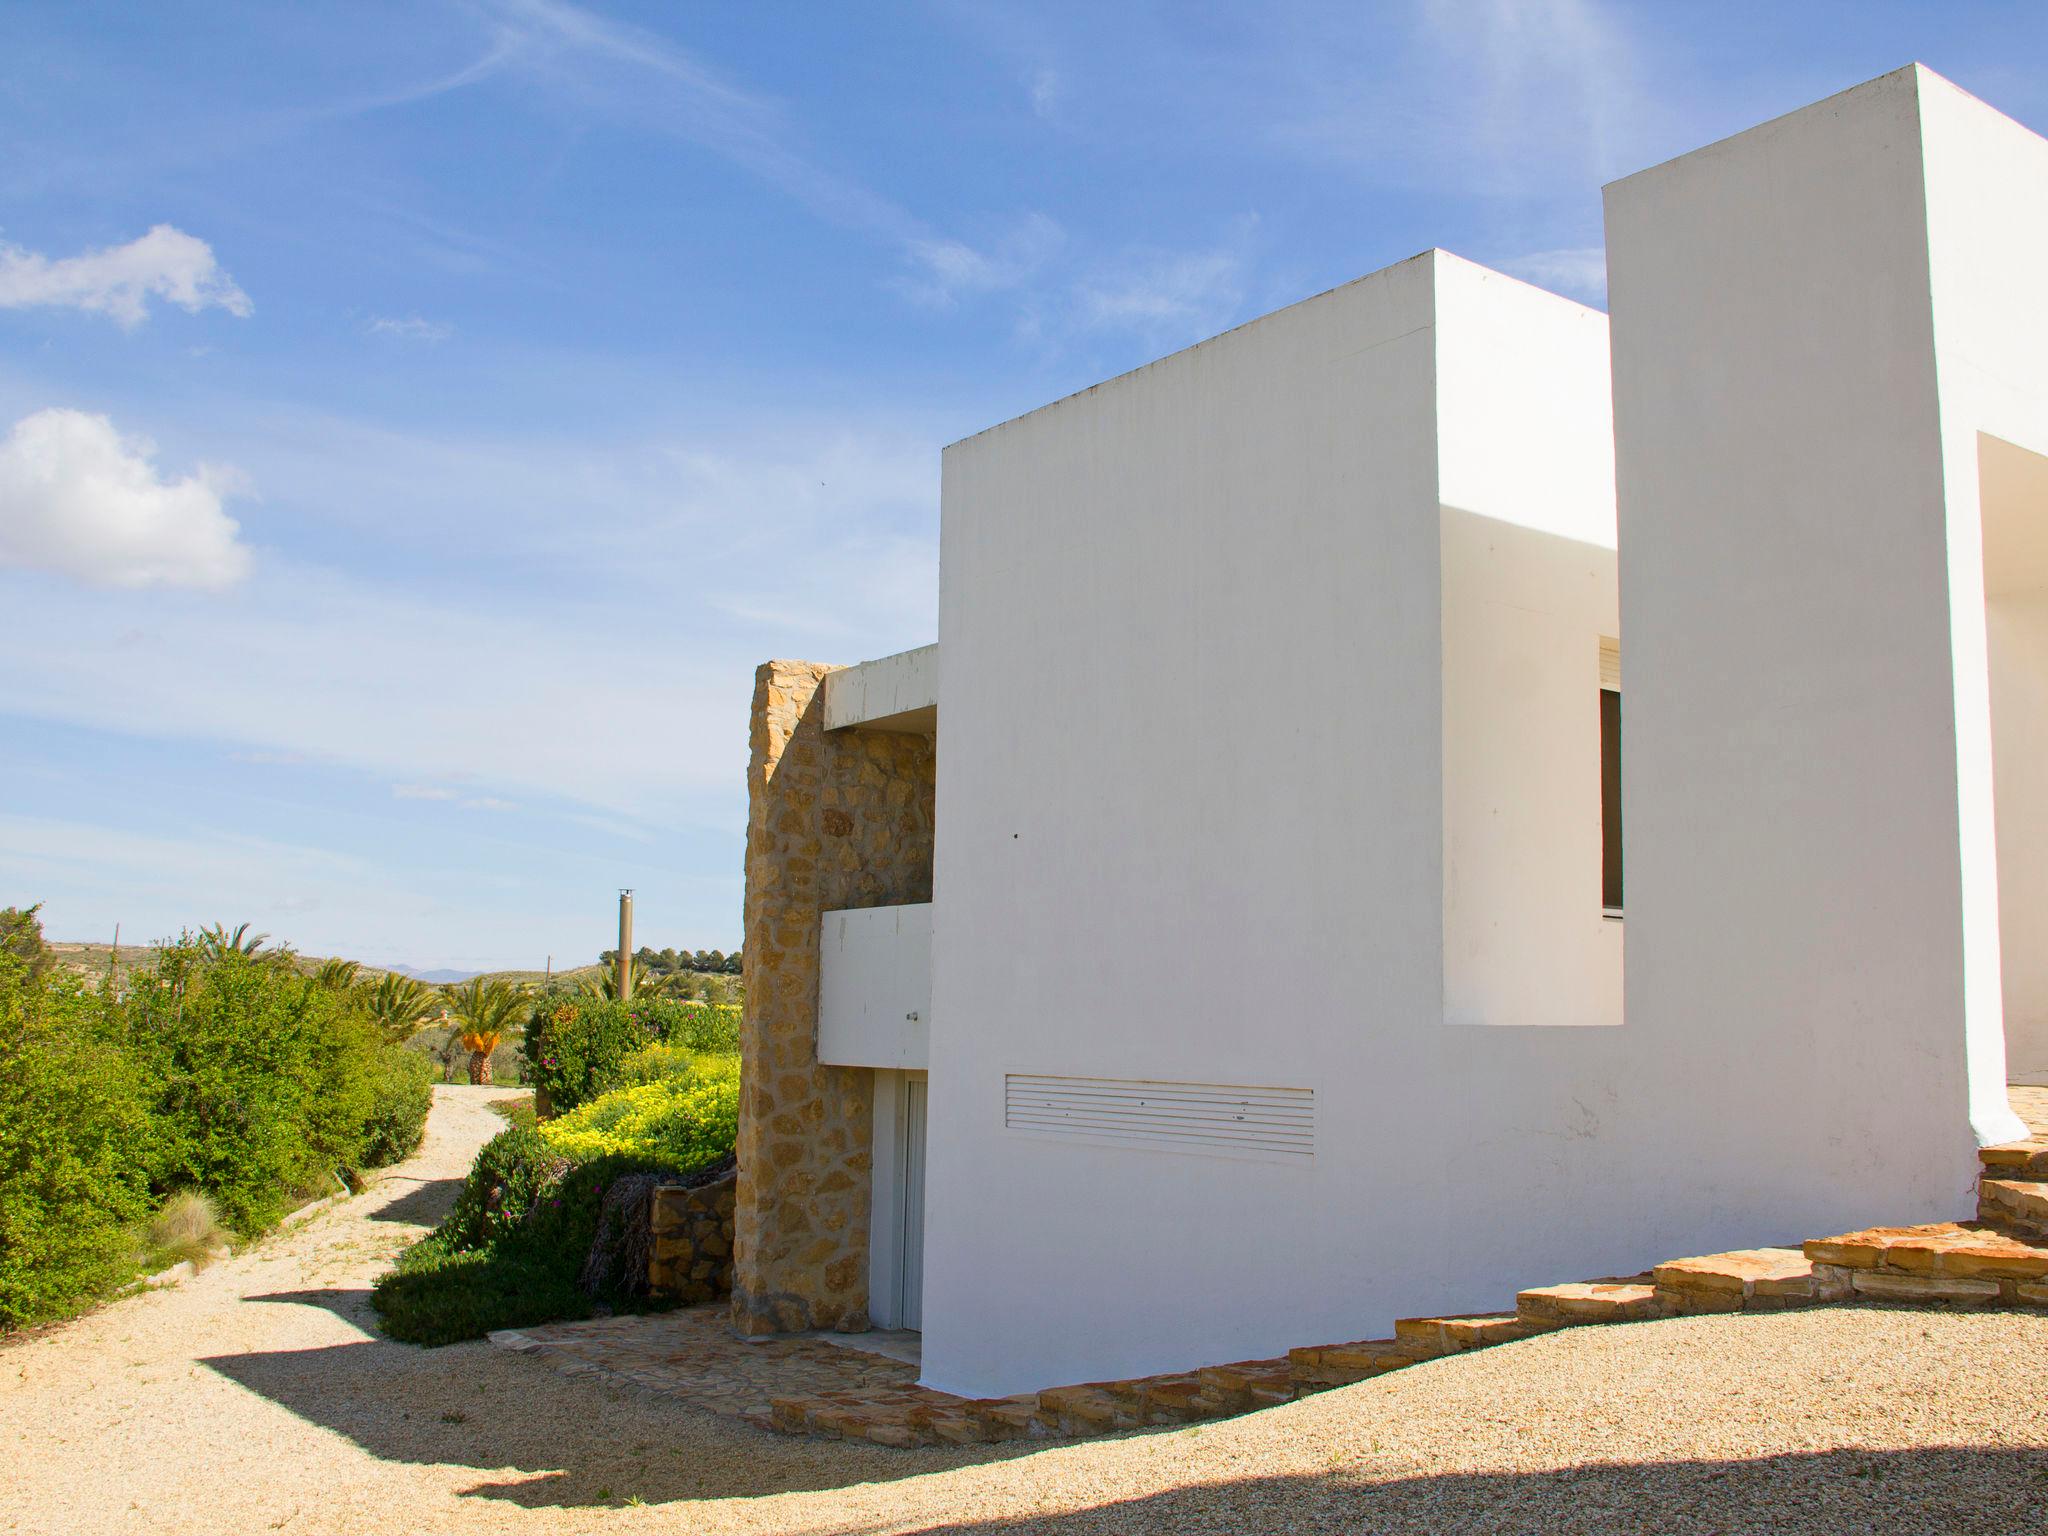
(1302, 950)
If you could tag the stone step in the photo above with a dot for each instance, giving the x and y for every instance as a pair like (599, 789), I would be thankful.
(1339, 1365)
(1247, 1384)
(1083, 1410)
(2018, 1202)
(1431, 1338)
(1594, 1301)
(2026, 1160)
(1746, 1279)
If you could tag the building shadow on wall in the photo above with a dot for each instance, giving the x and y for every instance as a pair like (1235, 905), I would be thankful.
(1950, 1491)
(476, 1406)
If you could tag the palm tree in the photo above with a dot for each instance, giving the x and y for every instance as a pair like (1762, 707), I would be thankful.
(216, 943)
(339, 975)
(399, 1005)
(485, 1011)
(604, 987)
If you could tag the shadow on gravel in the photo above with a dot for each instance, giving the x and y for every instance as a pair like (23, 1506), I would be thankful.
(1958, 1491)
(423, 1205)
(471, 1405)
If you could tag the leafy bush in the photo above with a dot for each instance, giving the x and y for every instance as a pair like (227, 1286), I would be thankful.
(574, 1049)
(221, 1074)
(500, 1263)
(401, 1094)
(506, 1179)
(73, 1116)
(263, 1079)
(689, 1118)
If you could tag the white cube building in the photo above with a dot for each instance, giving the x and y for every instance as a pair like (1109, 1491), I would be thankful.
(1267, 787)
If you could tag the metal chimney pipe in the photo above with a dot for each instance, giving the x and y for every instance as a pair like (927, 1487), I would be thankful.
(625, 945)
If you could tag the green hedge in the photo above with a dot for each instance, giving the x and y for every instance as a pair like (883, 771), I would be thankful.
(401, 1094)
(220, 1072)
(73, 1116)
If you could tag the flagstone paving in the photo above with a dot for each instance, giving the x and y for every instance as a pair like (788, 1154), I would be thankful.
(693, 1354)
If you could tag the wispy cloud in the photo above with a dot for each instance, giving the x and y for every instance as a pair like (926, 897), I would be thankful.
(421, 792)
(945, 270)
(120, 280)
(1163, 298)
(80, 499)
(410, 328)
(1578, 272)
(615, 67)
(1497, 98)
(1046, 89)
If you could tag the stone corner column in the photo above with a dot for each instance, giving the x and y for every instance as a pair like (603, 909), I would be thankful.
(800, 1219)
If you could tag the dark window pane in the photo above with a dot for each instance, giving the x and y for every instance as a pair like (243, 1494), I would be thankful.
(1610, 799)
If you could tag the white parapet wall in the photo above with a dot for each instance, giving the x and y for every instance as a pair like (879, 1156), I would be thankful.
(875, 987)
(891, 693)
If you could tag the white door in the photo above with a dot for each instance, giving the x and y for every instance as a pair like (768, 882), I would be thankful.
(910, 1268)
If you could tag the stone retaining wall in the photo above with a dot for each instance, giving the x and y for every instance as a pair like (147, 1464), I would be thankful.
(693, 1232)
(833, 820)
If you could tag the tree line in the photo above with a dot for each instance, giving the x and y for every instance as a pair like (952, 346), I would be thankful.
(671, 962)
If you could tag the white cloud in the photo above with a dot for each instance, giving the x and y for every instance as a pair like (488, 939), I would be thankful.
(1193, 290)
(410, 328)
(421, 792)
(78, 498)
(1579, 272)
(1046, 88)
(119, 280)
(489, 803)
(947, 269)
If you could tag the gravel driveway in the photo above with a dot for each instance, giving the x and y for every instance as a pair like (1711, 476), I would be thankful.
(257, 1397)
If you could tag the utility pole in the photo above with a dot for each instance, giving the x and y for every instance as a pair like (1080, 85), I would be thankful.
(625, 944)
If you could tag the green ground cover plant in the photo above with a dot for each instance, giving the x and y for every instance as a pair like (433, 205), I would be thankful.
(689, 1117)
(514, 1245)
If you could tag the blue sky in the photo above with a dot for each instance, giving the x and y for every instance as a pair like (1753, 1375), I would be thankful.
(416, 420)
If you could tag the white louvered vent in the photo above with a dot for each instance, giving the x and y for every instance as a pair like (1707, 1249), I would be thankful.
(1215, 1117)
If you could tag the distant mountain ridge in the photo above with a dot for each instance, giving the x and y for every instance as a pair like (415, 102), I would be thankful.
(437, 977)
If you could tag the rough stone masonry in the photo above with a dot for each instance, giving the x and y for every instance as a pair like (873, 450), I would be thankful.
(833, 821)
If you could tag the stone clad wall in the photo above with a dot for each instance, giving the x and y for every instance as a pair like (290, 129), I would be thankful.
(693, 1232)
(839, 820)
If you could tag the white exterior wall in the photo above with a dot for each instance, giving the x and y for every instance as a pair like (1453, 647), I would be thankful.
(2019, 714)
(1986, 189)
(1190, 830)
(1525, 938)
(875, 987)
(1803, 968)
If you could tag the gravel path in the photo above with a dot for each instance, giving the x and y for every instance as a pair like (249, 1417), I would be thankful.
(257, 1397)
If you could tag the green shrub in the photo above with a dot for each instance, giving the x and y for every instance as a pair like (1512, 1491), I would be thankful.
(501, 1265)
(663, 1059)
(690, 1118)
(73, 1118)
(263, 1079)
(401, 1094)
(508, 1175)
(574, 1049)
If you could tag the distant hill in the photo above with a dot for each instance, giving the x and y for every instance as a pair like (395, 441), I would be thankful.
(437, 977)
(94, 961)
